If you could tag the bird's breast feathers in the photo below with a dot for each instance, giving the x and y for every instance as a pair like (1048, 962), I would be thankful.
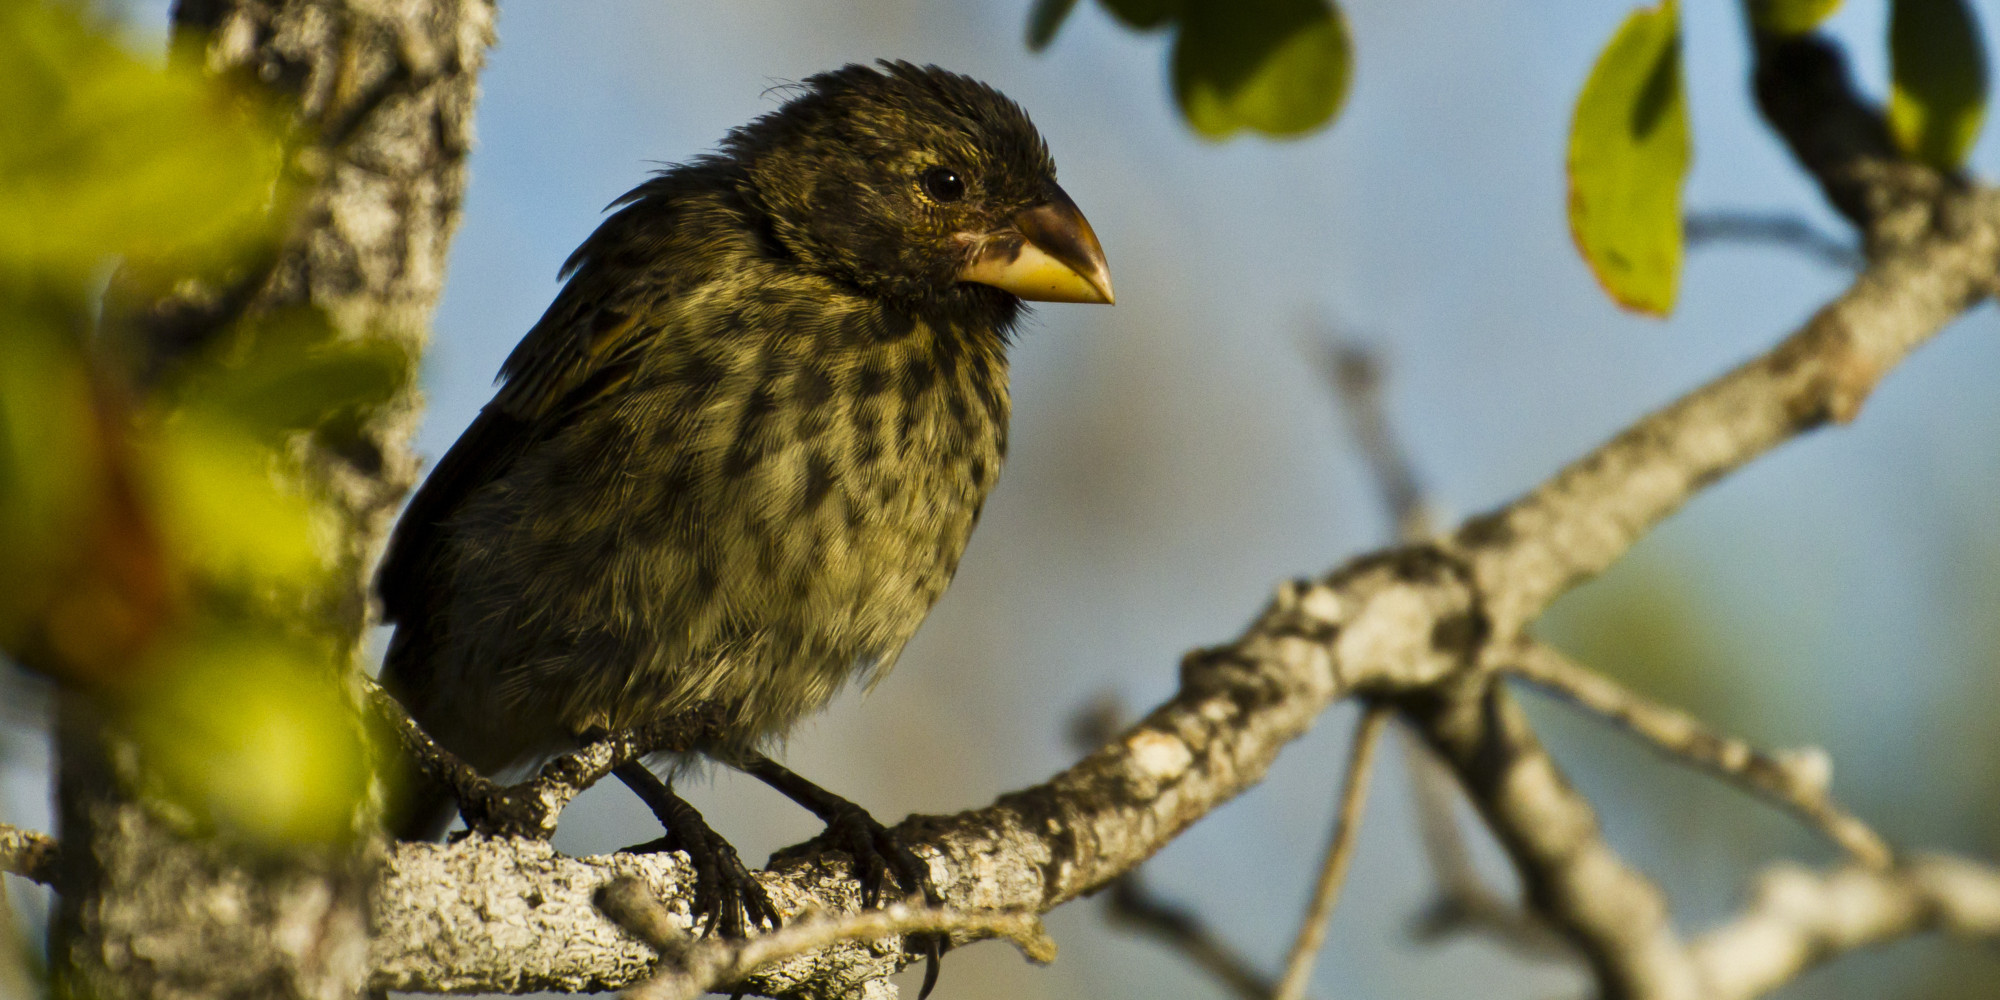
(804, 464)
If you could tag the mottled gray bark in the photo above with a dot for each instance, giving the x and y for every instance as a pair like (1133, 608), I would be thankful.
(378, 99)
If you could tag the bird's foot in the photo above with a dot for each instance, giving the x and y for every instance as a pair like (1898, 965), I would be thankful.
(875, 851)
(879, 859)
(727, 897)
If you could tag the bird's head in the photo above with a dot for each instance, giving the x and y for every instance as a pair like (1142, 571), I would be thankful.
(921, 186)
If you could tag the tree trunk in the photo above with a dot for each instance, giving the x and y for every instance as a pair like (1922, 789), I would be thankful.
(378, 101)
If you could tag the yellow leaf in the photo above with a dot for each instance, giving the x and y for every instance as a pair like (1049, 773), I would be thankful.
(223, 512)
(1628, 156)
(248, 730)
(102, 154)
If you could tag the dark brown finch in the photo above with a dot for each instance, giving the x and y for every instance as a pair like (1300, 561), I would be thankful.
(737, 460)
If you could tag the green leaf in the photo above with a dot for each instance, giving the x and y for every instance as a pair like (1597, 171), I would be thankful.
(102, 154)
(1045, 20)
(247, 730)
(1145, 15)
(1790, 17)
(1628, 156)
(291, 372)
(222, 511)
(1280, 67)
(1937, 80)
(50, 480)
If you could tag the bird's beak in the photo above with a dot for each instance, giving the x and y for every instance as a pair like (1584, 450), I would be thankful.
(1046, 254)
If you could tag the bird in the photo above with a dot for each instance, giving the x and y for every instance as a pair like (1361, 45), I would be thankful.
(737, 460)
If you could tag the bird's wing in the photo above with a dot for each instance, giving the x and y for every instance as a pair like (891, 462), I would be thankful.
(584, 347)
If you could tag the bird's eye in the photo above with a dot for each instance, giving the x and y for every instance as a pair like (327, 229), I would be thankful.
(943, 184)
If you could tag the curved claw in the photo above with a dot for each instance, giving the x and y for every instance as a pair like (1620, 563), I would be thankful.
(877, 853)
(725, 892)
(727, 897)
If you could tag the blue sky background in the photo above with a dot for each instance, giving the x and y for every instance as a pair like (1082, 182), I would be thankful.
(1177, 455)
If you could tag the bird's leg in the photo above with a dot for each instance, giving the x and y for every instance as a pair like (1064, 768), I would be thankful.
(725, 893)
(876, 851)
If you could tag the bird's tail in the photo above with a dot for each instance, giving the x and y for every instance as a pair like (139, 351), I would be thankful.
(419, 808)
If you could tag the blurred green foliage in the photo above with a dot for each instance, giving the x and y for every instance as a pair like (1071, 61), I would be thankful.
(1643, 624)
(1937, 80)
(1629, 150)
(1276, 67)
(160, 547)
(1279, 67)
(1790, 17)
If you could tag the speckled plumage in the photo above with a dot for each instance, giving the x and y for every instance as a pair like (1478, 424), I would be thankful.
(737, 461)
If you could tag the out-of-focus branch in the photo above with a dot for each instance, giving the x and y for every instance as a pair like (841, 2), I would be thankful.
(1356, 376)
(1796, 780)
(1612, 914)
(1775, 228)
(1464, 901)
(1799, 918)
(1130, 901)
(28, 854)
(694, 966)
(1346, 826)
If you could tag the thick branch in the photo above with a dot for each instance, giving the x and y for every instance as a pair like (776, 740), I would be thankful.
(1617, 917)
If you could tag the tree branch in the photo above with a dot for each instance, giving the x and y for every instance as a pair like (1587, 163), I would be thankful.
(1426, 628)
(1777, 229)
(1800, 918)
(1797, 781)
(1346, 825)
(695, 966)
(28, 854)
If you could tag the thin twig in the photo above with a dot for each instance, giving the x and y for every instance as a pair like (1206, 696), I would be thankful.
(1355, 373)
(1339, 851)
(532, 807)
(1775, 228)
(692, 966)
(1796, 780)
(1464, 900)
(1130, 901)
(29, 854)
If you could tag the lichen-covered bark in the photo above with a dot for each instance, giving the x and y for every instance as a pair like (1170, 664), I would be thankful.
(377, 96)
